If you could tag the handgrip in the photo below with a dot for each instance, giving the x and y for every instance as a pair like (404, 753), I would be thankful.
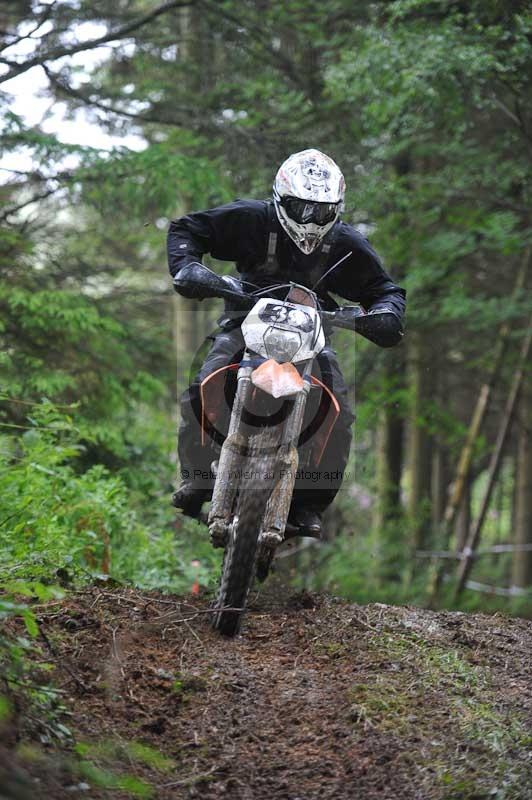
(196, 280)
(345, 317)
(383, 328)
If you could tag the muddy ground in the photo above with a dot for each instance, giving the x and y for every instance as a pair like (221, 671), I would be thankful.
(317, 698)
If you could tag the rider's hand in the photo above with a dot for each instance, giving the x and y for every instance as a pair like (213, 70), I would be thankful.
(381, 325)
(381, 309)
(346, 316)
(232, 283)
(187, 282)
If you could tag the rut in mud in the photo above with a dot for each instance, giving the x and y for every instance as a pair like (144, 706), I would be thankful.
(317, 698)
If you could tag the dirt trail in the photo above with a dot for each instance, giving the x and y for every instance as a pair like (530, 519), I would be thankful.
(316, 699)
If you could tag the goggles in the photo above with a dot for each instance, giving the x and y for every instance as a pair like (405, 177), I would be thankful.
(303, 211)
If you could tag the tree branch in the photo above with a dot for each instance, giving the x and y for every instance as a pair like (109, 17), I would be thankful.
(193, 119)
(77, 95)
(120, 33)
(509, 113)
(36, 197)
(276, 56)
(40, 22)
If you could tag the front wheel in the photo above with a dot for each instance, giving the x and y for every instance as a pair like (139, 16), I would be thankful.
(240, 552)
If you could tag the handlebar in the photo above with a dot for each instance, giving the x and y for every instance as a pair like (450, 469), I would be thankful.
(196, 280)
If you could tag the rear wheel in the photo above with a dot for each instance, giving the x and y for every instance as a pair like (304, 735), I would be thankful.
(239, 559)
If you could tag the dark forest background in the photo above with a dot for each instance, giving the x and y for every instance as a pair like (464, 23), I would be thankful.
(425, 105)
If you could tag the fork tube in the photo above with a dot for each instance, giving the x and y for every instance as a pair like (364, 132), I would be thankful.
(292, 428)
(232, 452)
(241, 397)
(288, 462)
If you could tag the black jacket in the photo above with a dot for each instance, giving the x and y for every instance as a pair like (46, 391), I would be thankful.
(239, 232)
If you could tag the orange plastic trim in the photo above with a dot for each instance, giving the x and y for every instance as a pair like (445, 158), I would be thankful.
(314, 381)
(336, 407)
(203, 384)
(269, 372)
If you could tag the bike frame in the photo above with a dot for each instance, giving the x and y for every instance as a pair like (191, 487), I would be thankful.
(233, 454)
(234, 450)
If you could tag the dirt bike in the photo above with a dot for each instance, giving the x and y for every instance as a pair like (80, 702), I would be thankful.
(263, 450)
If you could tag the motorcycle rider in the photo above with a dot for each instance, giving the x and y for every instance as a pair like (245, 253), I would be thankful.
(297, 237)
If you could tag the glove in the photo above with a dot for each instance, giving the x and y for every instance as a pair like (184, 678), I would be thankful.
(197, 282)
(381, 325)
(344, 317)
(191, 282)
(232, 283)
(381, 309)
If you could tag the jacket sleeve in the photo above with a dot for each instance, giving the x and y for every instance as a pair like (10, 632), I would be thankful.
(217, 231)
(185, 243)
(383, 292)
(364, 280)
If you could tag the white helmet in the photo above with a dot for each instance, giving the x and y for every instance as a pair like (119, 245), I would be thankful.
(308, 194)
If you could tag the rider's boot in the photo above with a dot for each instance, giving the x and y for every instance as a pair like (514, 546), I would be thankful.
(189, 498)
(307, 521)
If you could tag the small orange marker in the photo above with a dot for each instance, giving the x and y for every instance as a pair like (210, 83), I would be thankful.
(195, 586)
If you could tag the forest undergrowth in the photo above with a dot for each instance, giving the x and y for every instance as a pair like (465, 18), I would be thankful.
(111, 688)
(111, 682)
(134, 696)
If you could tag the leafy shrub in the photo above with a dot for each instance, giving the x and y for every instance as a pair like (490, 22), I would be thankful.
(24, 690)
(60, 522)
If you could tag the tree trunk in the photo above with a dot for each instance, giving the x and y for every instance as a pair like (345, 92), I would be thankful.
(463, 519)
(389, 444)
(522, 560)
(483, 401)
(441, 473)
(440, 486)
(475, 427)
(389, 468)
(187, 324)
(192, 323)
(495, 462)
(388, 508)
(419, 445)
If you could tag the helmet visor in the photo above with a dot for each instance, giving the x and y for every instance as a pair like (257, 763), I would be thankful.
(303, 211)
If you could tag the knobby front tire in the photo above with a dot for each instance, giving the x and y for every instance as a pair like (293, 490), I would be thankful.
(239, 559)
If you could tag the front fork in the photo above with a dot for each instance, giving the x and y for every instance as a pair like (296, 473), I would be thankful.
(288, 461)
(232, 458)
